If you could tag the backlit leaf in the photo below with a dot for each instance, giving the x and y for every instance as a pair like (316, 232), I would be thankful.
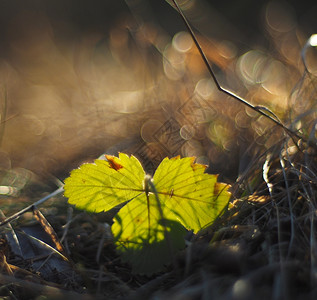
(151, 226)
(103, 185)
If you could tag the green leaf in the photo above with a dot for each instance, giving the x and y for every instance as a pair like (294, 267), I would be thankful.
(105, 184)
(150, 228)
(191, 196)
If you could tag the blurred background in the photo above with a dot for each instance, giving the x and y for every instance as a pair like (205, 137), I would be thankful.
(81, 78)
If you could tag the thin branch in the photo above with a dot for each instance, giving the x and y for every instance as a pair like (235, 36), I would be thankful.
(30, 207)
(258, 109)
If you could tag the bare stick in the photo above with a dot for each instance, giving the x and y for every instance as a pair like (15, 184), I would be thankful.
(30, 207)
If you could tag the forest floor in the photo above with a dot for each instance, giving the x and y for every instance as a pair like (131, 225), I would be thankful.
(144, 93)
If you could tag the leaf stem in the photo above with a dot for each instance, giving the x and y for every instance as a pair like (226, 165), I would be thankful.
(147, 179)
(149, 182)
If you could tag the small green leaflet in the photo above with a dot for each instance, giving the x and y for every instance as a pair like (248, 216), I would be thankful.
(152, 224)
